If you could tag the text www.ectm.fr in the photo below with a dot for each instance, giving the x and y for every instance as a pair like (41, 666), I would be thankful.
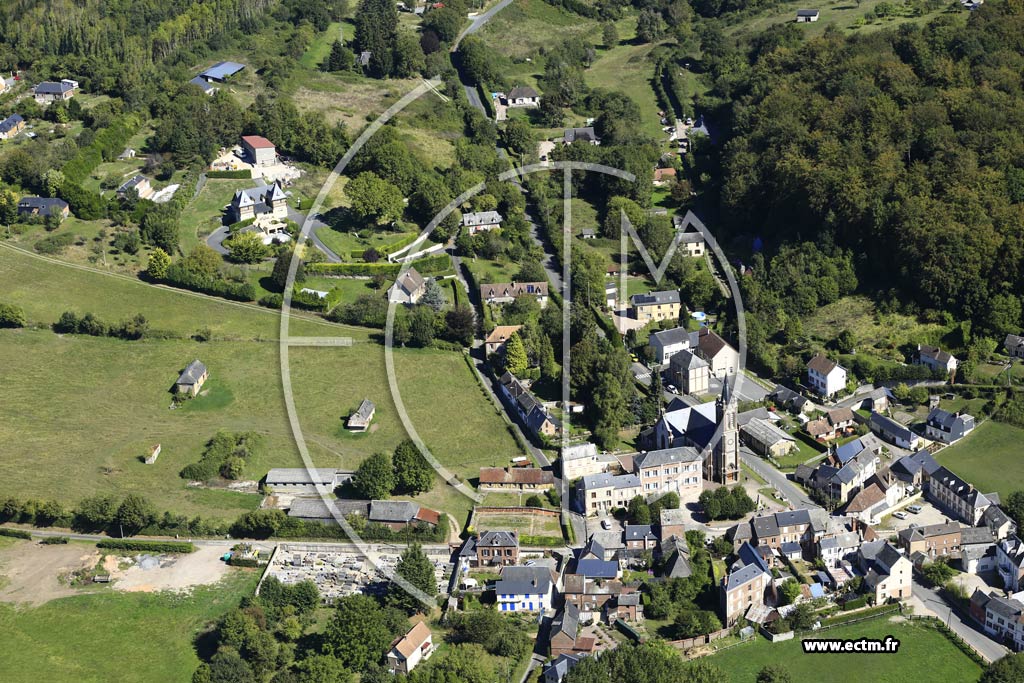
(820, 645)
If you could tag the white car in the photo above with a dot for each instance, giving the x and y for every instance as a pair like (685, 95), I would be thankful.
(900, 514)
(606, 524)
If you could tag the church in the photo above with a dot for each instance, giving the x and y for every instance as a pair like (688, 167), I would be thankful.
(696, 426)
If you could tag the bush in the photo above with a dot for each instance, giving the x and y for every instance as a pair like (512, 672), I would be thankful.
(54, 244)
(12, 316)
(55, 540)
(147, 546)
(15, 533)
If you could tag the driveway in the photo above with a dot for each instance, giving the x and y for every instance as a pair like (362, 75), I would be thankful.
(216, 240)
(963, 626)
(316, 224)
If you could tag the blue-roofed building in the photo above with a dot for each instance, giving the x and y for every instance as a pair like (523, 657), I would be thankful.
(51, 91)
(222, 71)
(206, 85)
(598, 569)
(848, 451)
(556, 670)
(893, 432)
(791, 550)
(817, 590)
(11, 126)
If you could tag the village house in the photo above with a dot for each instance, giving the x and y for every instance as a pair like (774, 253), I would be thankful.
(675, 556)
(517, 479)
(492, 549)
(408, 288)
(531, 412)
(1010, 563)
(676, 470)
(611, 295)
(672, 522)
(481, 221)
(1003, 618)
(722, 359)
(835, 548)
(625, 606)
(744, 585)
(952, 493)
(498, 337)
(191, 380)
(915, 469)
(656, 306)
(804, 16)
(886, 571)
(43, 207)
(932, 540)
(842, 472)
(668, 343)
(414, 647)
(834, 424)
(935, 358)
(690, 373)
(257, 202)
(583, 459)
(662, 176)
(875, 498)
(555, 670)
(825, 377)
(999, 522)
(1014, 345)
(690, 239)
(522, 96)
(524, 589)
(259, 151)
(48, 92)
(601, 493)
(139, 184)
(639, 537)
(11, 126)
(787, 399)
(893, 432)
(977, 549)
(583, 135)
(563, 631)
(301, 480)
(947, 427)
(764, 438)
(507, 292)
(359, 421)
(787, 526)
(400, 514)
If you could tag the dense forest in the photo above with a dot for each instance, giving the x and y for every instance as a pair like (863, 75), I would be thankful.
(901, 150)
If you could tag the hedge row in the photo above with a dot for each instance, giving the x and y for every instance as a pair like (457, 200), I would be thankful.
(237, 175)
(55, 540)
(151, 546)
(243, 562)
(15, 533)
(105, 146)
(429, 264)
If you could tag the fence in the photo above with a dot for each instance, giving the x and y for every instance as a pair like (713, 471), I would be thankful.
(697, 641)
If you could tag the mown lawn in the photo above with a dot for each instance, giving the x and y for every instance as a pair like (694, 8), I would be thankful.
(83, 409)
(626, 68)
(206, 212)
(111, 636)
(844, 14)
(525, 26)
(924, 655)
(989, 457)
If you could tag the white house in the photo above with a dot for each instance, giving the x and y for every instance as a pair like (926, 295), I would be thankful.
(414, 647)
(604, 492)
(524, 589)
(935, 358)
(824, 376)
(1010, 562)
(522, 96)
(481, 221)
(668, 343)
(583, 459)
(804, 16)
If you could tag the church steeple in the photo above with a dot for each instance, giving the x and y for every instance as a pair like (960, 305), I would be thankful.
(725, 458)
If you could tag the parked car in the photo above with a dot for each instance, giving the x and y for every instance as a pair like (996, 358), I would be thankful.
(914, 509)
(606, 524)
(900, 515)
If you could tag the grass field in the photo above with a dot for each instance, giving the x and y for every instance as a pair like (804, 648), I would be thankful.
(924, 655)
(342, 243)
(989, 457)
(526, 525)
(843, 14)
(524, 27)
(627, 69)
(206, 212)
(76, 639)
(83, 409)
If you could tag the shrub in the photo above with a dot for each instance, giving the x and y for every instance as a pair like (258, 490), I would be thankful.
(147, 546)
(15, 533)
(54, 244)
(236, 175)
(55, 540)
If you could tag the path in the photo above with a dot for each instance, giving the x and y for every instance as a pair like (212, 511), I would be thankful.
(933, 602)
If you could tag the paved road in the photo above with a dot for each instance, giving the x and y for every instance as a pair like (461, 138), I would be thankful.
(964, 627)
(776, 478)
(552, 266)
(474, 98)
(479, 21)
(747, 390)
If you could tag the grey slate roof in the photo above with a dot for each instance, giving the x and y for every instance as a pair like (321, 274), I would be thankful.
(53, 88)
(566, 622)
(765, 432)
(315, 508)
(44, 206)
(666, 456)
(522, 91)
(282, 476)
(976, 534)
(222, 70)
(481, 218)
(586, 134)
(792, 517)
(686, 360)
(10, 122)
(960, 488)
(598, 569)
(517, 580)
(563, 663)
(639, 532)
(604, 480)
(392, 511)
(498, 539)
(132, 183)
(192, 373)
(889, 426)
(670, 296)
(673, 336)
